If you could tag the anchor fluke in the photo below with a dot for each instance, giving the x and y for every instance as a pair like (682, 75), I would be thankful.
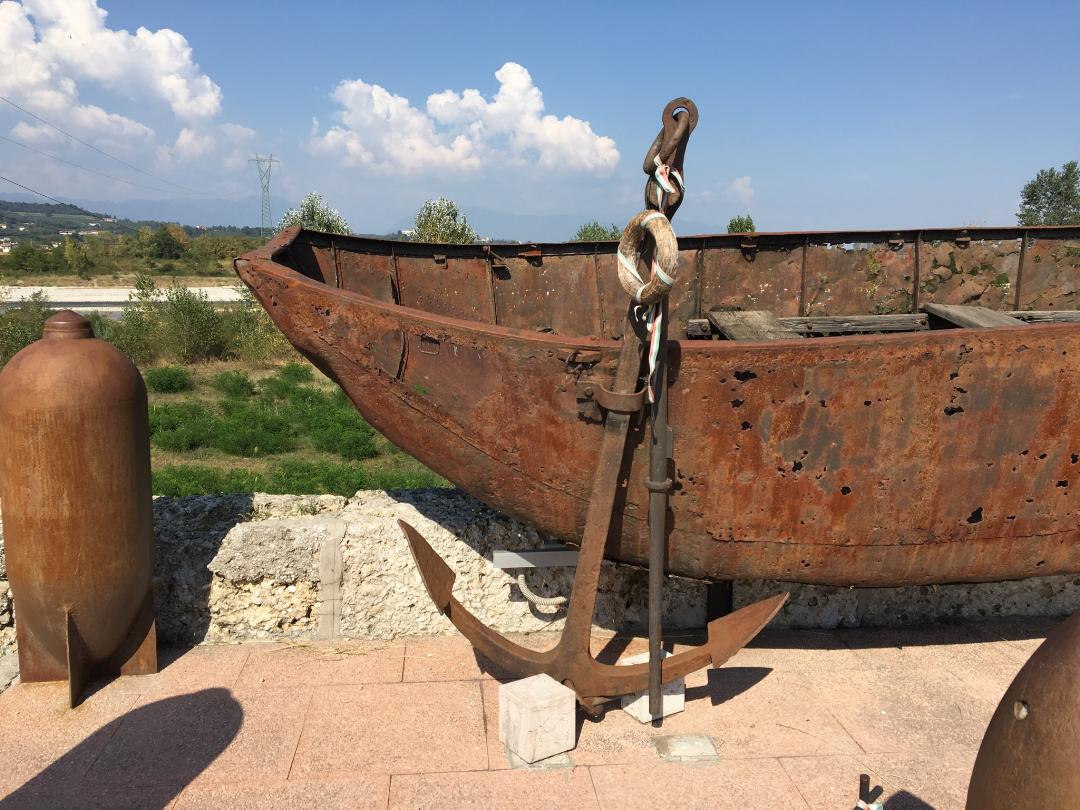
(437, 575)
(729, 634)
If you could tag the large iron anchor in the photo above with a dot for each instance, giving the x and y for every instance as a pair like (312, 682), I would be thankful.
(571, 661)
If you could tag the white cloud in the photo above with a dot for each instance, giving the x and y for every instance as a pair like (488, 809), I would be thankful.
(49, 47)
(460, 131)
(743, 190)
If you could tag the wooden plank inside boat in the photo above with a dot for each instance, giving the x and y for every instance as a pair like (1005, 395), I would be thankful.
(855, 324)
(751, 325)
(971, 317)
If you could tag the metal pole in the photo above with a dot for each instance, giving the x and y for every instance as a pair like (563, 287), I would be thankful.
(659, 486)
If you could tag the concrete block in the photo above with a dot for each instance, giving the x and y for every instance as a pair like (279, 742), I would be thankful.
(672, 695)
(537, 717)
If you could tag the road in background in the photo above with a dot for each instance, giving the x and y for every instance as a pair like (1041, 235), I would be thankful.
(106, 300)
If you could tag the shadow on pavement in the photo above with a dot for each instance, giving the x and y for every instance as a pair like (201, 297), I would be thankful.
(142, 759)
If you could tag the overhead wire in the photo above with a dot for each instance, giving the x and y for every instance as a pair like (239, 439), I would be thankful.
(102, 151)
(86, 168)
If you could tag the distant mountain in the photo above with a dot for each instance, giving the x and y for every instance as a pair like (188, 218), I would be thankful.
(184, 210)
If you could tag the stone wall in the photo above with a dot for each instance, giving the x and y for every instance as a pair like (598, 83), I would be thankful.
(242, 567)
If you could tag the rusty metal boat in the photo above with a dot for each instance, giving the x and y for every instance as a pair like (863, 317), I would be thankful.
(848, 408)
(835, 408)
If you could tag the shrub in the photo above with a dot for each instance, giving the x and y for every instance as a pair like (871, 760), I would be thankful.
(168, 379)
(22, 325)
(295, 373)
(234, 384)
(136, 333)
(251, 335)
(181, 426)
(191, 329)
(251, 429)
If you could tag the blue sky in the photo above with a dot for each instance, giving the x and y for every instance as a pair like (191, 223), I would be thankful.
(822, 115)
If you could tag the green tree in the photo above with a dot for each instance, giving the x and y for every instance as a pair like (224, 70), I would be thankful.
(741, 224)
(314, 214)
(166, 245)
(77, 257)
(595, 232)
(1052, 198)
(437, 221)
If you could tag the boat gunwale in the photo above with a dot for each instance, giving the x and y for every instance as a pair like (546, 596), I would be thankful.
(266, 258)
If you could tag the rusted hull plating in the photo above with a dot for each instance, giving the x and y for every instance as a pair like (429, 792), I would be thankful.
(872, 460)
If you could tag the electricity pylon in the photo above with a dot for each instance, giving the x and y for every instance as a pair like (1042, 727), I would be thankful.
(265, 163)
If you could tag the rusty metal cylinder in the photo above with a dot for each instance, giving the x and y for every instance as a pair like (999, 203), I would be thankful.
(1030, 754)
(77, 507)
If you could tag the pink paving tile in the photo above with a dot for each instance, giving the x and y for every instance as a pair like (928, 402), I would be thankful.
(915, 708)
(42, 739)
(360, 793)
(981, 667)
(392, 728)
(518, 789)
(202, 667)
(211, 735)
(447, 658)
(755, 711)
(322, 664)
(736, 784)
(928, 781)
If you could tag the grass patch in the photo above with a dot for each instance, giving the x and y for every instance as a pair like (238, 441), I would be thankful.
(181, 426)
(234, 385)
(168, 380)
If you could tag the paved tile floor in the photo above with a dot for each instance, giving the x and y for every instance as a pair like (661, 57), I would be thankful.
(793, 720)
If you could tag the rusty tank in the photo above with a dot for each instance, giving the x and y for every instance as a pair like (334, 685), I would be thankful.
(77, 507)
(867, 408)
(1028, 756)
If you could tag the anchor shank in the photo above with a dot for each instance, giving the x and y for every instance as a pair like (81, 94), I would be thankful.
(579, 615)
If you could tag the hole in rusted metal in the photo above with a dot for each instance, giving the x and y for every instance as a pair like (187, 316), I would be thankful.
(745, 426)
(821, 402)
(796, 466)
(953, 409)
(1062, 484)
(1075, 458)
(867, 403)
(743, 376)
(845, 490)
(736, 403)
(1042, 456)
(976, 516)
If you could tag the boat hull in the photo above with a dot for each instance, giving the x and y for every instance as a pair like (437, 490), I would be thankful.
(873, 460)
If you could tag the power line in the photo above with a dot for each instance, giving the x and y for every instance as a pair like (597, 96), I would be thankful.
(85, 168)
(69, 205)
(101, 151)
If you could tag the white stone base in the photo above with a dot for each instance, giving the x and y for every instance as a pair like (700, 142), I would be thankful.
(672, 695)
(537, 717)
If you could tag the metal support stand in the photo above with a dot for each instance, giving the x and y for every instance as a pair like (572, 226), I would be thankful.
(719, 599)
(659, 486)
